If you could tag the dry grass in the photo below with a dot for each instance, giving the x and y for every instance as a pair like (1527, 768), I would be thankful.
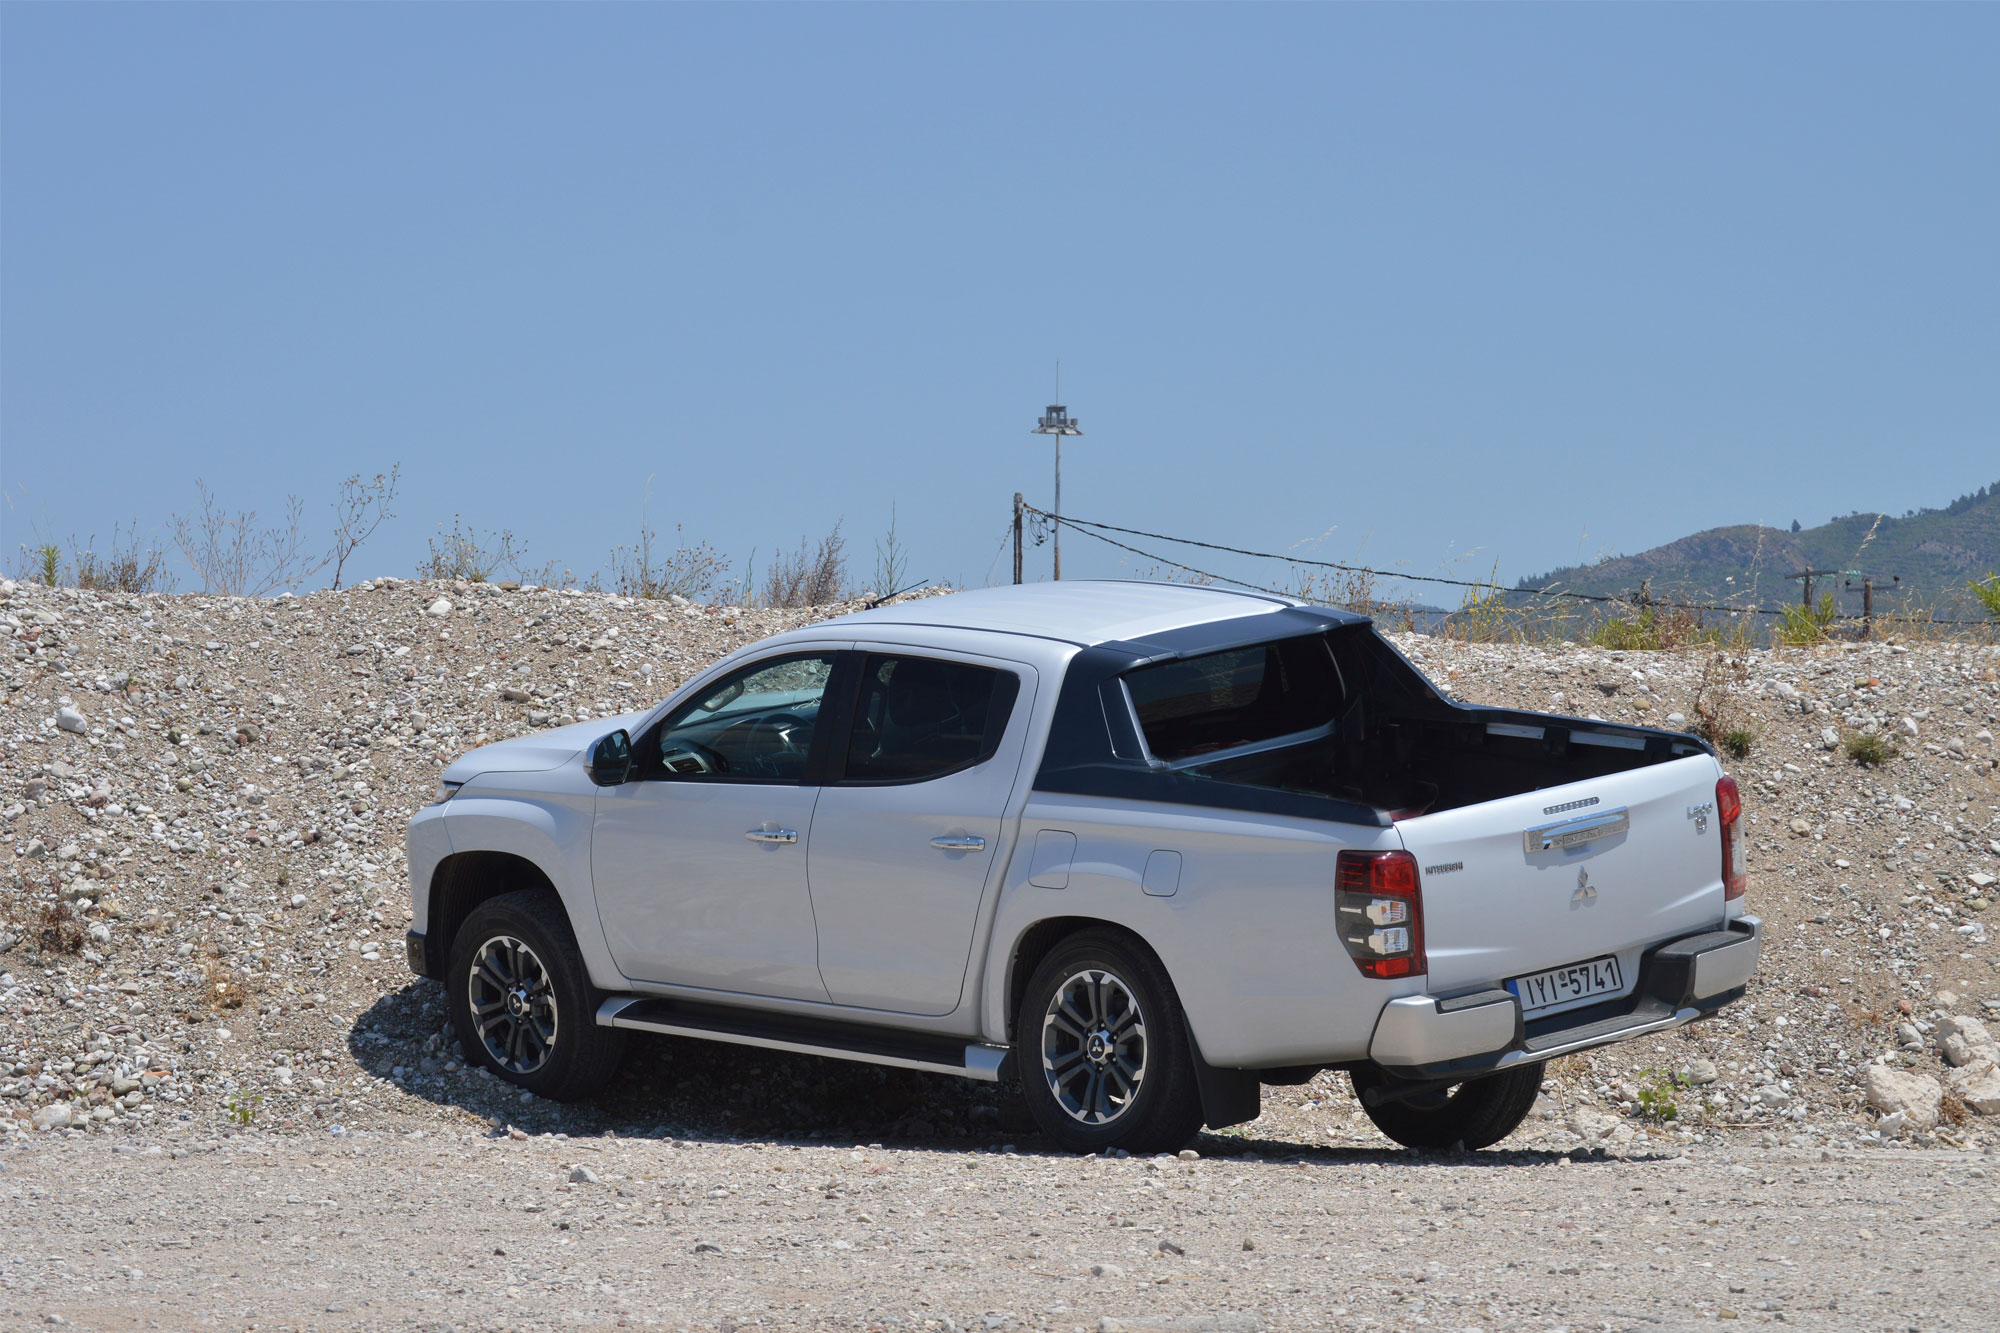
(1719, 716)
(811, 576)
(1867, 748)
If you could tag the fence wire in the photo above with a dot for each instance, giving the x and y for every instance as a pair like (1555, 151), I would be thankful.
(1092, 528)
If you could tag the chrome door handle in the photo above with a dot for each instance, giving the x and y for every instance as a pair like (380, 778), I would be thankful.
(951, 843)
(772, 835)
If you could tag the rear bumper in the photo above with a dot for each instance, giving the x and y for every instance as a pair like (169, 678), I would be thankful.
(1428, 1037)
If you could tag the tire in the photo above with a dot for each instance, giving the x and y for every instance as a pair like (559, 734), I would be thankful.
(1478, 1113)
(544, 1037)
(1103, 1049)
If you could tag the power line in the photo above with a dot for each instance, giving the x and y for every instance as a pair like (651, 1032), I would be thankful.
(1095, 529)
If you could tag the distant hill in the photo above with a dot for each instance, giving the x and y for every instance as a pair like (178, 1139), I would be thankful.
(1935, 551)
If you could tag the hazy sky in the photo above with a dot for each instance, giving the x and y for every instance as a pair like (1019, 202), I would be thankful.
(1446, 286)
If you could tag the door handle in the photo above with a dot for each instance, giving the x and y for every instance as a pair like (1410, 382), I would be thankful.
(772, 835)
(953, 843)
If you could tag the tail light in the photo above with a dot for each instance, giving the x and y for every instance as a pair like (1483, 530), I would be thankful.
(1380, 907)
(1728, 811)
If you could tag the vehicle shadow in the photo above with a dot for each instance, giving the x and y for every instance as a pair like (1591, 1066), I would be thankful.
(709, 1091)
(687, 1089)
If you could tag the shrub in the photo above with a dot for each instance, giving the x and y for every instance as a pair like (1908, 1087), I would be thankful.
(1987, 590)
(1804, 626)
(132, 566)
(690, 570)
(809, 576)
(237, 558)
(1870, 749)
(892, 563)
(1718, 716)
(466, 553)
(359, 509)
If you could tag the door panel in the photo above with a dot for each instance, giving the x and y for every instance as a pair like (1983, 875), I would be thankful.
(897, 911)
(699, 861)
(688, 899)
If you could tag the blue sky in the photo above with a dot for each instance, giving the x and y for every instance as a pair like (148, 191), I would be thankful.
(1441, 287)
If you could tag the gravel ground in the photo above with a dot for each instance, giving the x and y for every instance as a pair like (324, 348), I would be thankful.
(432, 1232)
(201, 812)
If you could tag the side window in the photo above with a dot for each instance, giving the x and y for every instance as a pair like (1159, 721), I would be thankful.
(920, 718)
(755, 725)
(1222, 700)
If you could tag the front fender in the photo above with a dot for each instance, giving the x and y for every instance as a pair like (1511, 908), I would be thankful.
(543, 818)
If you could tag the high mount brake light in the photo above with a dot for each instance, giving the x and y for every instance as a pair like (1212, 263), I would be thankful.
(1728, 811)
(1379, 904)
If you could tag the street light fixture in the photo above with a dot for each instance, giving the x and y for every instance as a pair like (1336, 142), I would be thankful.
(1057, 422)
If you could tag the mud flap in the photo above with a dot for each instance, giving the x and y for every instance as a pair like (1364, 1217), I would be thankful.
(1228, 1096)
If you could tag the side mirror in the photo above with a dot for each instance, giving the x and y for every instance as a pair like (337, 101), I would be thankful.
(608, 761)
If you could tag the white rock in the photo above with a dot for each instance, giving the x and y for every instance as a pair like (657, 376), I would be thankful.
(1964, 1040)
(1978, 1086)
(69, 719)
(582, 1175)
(1893, 1091)
(441, 607)
(1910, 727)
(56, 1115)
(1829, 738)
(1699, 1073)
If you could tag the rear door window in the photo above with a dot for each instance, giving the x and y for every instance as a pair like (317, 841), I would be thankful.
(1241, 696)
(920, 717)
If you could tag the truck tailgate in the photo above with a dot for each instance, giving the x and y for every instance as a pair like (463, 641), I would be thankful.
(1606, 866)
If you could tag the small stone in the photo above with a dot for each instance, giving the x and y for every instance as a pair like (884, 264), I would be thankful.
(707, 1247)
(1801, 827)
(69, 719)
(440, 608)
(1829, 739)
(1910, 727)
(56, 1115)
(583, 1175)
(1699, 1073)
(1106, 1270)
(1189, 1155)
(1170, 1247)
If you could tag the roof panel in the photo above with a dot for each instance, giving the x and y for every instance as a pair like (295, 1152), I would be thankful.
(1083, 611)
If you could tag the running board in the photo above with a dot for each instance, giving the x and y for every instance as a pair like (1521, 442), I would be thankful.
(805, 1036)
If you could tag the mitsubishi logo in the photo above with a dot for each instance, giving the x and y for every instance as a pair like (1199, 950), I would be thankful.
(1585, 890)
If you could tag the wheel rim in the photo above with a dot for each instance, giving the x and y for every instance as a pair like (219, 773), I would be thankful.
(1094, 1047)
(513, 1005)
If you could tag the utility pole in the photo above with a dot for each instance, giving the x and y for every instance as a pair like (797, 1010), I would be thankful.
(1017, 536)
(1809, 575)
(1057, 422)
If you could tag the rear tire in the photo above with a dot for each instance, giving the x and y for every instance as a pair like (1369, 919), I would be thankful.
(521, 999)
(1103, 1050)
(1477, 1113)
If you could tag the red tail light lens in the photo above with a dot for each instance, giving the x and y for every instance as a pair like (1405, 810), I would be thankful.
(1380, 907)
(1728, 811)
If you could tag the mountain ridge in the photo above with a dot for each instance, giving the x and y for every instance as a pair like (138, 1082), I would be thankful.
(1929, 554)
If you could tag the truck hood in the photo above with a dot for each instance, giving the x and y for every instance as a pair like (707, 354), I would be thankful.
(537, 752)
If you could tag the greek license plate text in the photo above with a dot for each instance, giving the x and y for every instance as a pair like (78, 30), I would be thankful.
(1561, 985)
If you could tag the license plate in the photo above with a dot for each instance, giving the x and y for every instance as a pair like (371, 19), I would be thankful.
(1561, 985)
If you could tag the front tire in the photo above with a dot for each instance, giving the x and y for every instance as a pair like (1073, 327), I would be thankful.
(521, 999)
(1477, 1113)
(1103, 1049)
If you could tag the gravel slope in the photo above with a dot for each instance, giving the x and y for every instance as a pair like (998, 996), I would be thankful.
(214, 790)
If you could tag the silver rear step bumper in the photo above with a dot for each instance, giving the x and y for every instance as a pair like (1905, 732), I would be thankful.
(1427, 1037)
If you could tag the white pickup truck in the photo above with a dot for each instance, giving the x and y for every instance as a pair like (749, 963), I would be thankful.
(1141, 847)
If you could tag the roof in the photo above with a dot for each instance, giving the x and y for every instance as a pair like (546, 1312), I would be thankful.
(1087, 612)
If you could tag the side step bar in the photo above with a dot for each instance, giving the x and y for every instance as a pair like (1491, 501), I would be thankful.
(805, 1036)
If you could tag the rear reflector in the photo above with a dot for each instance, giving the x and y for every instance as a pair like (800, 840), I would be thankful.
(1728, 811)
(1380, 907)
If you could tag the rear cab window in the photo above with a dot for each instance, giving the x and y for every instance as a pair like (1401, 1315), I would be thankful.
(1202, 707)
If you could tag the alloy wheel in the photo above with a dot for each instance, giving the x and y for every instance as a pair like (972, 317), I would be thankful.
(513, 1005)
(1094, 1047)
